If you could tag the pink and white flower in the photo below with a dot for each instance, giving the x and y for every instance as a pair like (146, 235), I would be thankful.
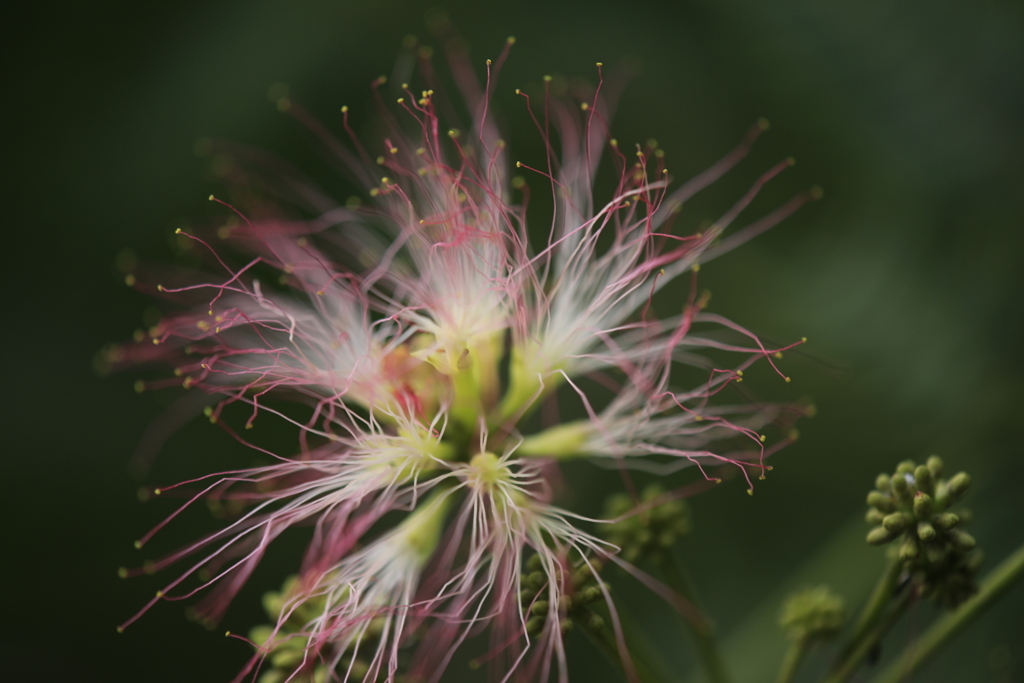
(392, 320)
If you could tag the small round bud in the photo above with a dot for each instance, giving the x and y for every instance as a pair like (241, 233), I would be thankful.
(935, 465)
(899, 484)
(880, 536)
(945, 521)
(909, 549)
(881, 502)
(923, 477)
(897, 522)
(925, 531)
(906, 467)
(922, 505)
(813, 613)
(934, 552)
(539, 608)
(962, 540)
(882, 483)
(874, 517)
(958, 485)
(974, 561)
(595, 622)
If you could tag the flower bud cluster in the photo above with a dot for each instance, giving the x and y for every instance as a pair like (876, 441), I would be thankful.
(814, 613)
(584, 589)
(285, 644)
(647, 530)
(915, 504)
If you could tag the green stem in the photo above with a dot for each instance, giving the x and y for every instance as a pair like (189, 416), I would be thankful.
(875, 606)
(995, 584)
(850, 663)
(700, 628)
(794, 655)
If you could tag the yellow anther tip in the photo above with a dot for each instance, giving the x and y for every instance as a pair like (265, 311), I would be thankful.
(788, 379)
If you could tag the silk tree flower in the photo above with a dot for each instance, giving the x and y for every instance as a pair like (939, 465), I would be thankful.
(422, 326)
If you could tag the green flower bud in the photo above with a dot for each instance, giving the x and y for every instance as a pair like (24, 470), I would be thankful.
(945, 521)
(595, 622)
(925, 531)
(881, 501)
(288, 658)
(922, 505)
(906, 467)
(935, 465)
(874, 517)
(974, 561)
(588, 595)
(897, 522)
(923, 478)
(882, 483)
(565, 625)
(899, 484)
(908, 549)
(962, 540)
(880, 536)
(934, 552)
(539, 608)
(958, 485)
(813, 613)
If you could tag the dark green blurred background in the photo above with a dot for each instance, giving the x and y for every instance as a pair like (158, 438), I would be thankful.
(907, 279)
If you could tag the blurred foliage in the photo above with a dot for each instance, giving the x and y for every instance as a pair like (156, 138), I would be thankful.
(907, 278)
